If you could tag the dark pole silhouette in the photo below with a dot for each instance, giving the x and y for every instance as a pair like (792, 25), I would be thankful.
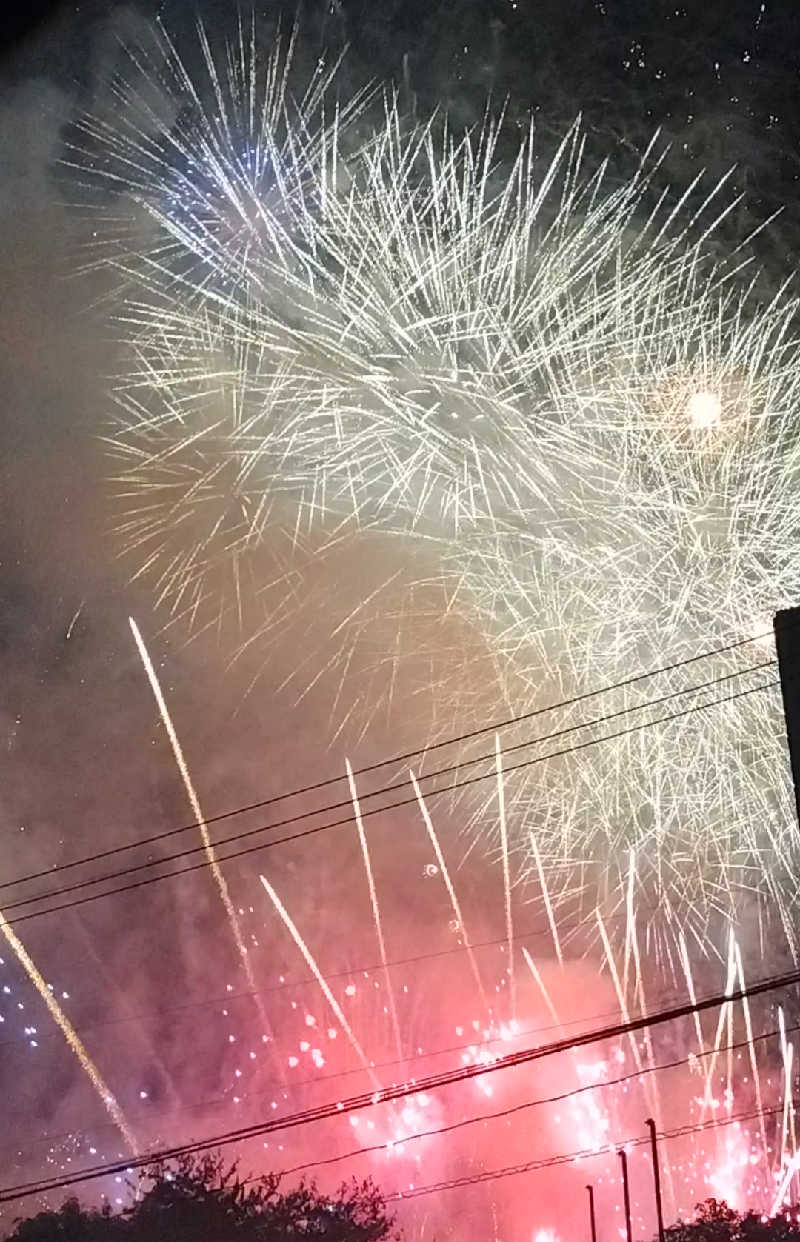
(651, 1125)
(623, 1159)
(786, 624)
(591, 1213)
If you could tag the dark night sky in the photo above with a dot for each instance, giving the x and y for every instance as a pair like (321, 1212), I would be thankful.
(82, 762)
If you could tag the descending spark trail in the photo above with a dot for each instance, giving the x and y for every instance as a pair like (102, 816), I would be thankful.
(546, 898)
(750, 1045)
(621, 997)
(787, 1057)
(787, 1119)
(71, 1035)
(729, 985)
(376, 911)
(311, 962)
(501, 809)
(780, 1193)
(630, 920)
(194, 802)
(689, 980)
(451, 892)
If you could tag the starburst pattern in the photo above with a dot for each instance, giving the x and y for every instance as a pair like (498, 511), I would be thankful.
(526, 398)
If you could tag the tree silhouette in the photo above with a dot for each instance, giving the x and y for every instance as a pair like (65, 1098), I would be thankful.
(202, 1200)
(71, 1223)
(714, 1221)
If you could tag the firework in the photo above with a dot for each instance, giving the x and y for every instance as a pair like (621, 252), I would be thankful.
(66, 1028)
(509, 395)
(194, 802)
(597, 1103)
(336, 1033)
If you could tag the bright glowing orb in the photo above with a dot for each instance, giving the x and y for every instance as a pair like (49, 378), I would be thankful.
(704, 410)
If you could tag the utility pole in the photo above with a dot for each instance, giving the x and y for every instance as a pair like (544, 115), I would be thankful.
(651, 1125)
(592, 1221)
(623, 1159)
(786, 624)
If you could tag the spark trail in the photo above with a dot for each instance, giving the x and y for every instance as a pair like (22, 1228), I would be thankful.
(311, 962)
(74, 1041)
(197, 810)
(461, 926)
(501, 811)
(376, 910)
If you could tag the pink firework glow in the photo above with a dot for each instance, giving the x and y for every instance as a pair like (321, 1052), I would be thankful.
(431, 965)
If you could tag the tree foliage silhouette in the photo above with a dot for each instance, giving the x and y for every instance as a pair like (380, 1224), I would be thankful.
(715, 1221)
(202, 1200)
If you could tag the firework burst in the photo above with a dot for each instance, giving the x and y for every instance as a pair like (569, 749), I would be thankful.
(509, 395)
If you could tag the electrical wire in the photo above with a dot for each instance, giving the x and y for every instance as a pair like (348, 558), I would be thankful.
(338, 823)
(394, 788)
(394, 760)
(550, 1162)
(226, 998)
(400, 1091)
(518, 1108)
(280, 1086)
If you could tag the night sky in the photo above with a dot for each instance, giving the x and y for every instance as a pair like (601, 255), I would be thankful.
(85, 762)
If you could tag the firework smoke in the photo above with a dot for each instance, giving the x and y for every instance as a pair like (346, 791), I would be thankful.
(511, 437)
(577, 424)
(70, 1035)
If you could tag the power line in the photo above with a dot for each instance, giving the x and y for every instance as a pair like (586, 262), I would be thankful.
(401, 1091)
(278, 1084)
(518, 1108)
(349, 1073)
(348, 819)
(306, 1082)
(496, 727)
(402, 961)
(549, 1162)
(394, 788)
(324, 1078)
(227, 998)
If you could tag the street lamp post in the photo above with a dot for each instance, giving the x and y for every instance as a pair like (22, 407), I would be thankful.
(651, 1125)
(623, 1159)
(592, 1221)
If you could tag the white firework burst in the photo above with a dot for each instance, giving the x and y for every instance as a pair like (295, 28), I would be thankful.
(517, 398)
